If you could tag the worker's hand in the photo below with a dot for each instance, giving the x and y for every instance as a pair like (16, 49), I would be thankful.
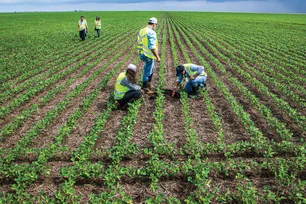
(86, 31)
(192, 77)
(158, 59)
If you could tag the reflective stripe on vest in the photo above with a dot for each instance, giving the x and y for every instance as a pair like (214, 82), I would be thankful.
(143, 43)
(119, 89)
(192, 73)
(98, 24)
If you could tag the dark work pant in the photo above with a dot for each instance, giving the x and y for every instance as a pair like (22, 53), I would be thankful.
(83, 34)
(130, 96)
(98, 32)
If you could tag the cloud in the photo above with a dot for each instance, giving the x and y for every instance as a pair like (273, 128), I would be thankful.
(268, 6)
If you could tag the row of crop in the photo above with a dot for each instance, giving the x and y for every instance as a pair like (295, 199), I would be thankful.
(251, 54)
(81, 155)
(46, 153)
(216, 120)
(287, 184)
(240, 58)
(31, 53)
(268, 41)
(52, 114)
(51, 68)
(280, 127)
(19, 120)
(281, 104)
(229, 50)
(259, 141)
(74, 61)
(157, 134)
(256, 57)
(260, 144)
(37, 65)
(260, 47)
(198, 174)
(192, 147)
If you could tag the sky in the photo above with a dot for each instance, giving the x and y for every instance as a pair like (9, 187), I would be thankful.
(260, 6)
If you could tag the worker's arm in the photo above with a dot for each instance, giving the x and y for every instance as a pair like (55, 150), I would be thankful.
(178, 82)
(125, 82)
(155, 52)
(78, 26)
(198, 69)
(152, 44)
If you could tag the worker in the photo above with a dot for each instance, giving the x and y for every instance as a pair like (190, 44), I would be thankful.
(98, 25)
(126, 90)
(83, 28)
(147, 46)
(195, 76)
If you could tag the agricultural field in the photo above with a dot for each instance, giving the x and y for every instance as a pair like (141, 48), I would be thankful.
(63, 141)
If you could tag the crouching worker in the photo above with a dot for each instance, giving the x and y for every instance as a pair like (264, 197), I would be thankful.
(126, 90)
(195, 77)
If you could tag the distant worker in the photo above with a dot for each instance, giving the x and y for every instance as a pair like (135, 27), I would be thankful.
(98, 25)
(195, 76)
(83, 28)
(147, 46)
(126, 90)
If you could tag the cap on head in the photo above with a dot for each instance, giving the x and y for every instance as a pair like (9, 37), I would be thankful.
(179, 70)
(132, 67)
(152, 20)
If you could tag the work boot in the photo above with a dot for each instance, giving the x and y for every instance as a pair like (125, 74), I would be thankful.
(148, 91)
(150, 86)
(145, 88)
(145, 85)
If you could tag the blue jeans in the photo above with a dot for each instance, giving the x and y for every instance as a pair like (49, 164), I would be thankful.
(198, 81)
(148, 67)
(83, 34)
(98, 32)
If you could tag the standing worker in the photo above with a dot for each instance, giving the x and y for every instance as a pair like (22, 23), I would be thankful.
(98, 25)
(147, 46)
(195, 76)
(126, 90)
(83, 28)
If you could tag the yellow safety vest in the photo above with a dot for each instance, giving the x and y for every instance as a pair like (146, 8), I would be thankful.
(98, 24)
(192, 73)
(82, 24)
(119, 89)
(143, 43)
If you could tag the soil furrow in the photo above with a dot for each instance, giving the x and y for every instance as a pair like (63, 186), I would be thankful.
(232, 127)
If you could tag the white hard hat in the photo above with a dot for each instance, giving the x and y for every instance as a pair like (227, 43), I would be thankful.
(152, 20)
(132, 67)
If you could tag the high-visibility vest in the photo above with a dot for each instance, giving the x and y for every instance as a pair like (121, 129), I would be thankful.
(119, 89)
(143, 43)
(82, 24)
(192, 73)
(98, 24)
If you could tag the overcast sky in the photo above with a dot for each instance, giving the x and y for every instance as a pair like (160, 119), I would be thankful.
(267, 6)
